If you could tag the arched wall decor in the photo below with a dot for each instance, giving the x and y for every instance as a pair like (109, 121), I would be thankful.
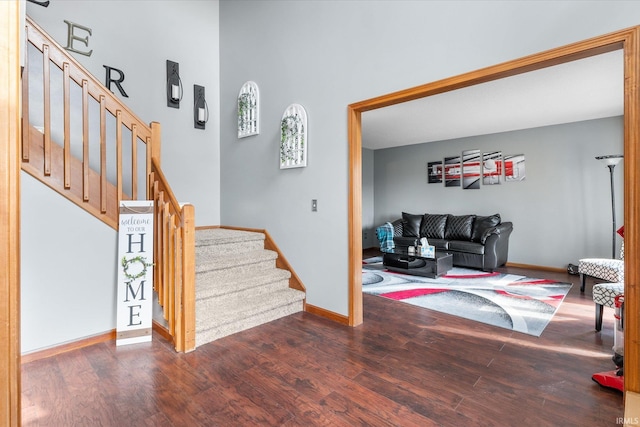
(248, 110)
(628, 40)
(293, 137)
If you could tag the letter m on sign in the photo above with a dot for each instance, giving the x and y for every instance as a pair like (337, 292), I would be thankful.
(134, 294)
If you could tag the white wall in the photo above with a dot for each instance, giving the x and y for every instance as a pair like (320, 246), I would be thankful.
(328, 54)
(561, 212)
(136, 37)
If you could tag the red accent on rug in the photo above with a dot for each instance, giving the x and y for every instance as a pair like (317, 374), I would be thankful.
(470, 276)
(536, 282)
(400, 295)
(546, 298)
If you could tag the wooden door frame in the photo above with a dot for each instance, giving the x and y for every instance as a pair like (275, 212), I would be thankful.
(10, 107)
(627, 40)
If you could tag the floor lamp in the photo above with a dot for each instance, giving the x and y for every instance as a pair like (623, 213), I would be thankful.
(611, 161)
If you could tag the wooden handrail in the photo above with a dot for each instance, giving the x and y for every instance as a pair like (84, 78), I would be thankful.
(77, 73)
(91, 187)
(99, 188)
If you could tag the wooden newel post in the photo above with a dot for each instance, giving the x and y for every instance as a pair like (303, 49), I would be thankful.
(189, 278)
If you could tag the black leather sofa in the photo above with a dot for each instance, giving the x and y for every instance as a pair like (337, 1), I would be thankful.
(480, 242)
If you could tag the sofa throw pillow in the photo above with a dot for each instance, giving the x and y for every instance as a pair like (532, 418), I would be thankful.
(411, 225)
(482, 224)
(397, 227)
(459, 227)
(433, 226)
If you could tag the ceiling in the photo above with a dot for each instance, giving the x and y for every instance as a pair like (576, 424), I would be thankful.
(585, 89)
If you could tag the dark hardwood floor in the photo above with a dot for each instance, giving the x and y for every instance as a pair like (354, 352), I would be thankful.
(405, 366)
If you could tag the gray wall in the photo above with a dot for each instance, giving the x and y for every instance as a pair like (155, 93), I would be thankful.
(68, 257)
(368, 219)
(561, 212)
(68, 271)
(328, 54)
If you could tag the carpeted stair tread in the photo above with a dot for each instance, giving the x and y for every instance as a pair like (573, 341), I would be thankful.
(230, 299)
(220, 236)
(209, 312)
(209, 286)
(210, 262)
(242, 308)
(226, 242)
(220, 331)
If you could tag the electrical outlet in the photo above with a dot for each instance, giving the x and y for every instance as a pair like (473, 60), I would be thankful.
(314, 205)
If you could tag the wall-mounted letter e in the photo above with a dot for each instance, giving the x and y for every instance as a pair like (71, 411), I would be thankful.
(71, 37)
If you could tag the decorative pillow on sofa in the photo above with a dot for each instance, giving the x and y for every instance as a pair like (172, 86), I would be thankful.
(459, 227)
(397, 227)
(433, 226)
(411, 225)
(482, 224)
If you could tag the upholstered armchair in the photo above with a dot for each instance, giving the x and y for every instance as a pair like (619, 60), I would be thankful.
(610, 270)
(604, 295)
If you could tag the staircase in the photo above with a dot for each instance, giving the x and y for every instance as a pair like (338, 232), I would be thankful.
(238, 285)
(210, 283)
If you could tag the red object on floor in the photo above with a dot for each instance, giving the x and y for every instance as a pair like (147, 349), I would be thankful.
(609, 379)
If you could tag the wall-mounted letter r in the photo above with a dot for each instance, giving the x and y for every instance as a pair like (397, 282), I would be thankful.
(117, 81)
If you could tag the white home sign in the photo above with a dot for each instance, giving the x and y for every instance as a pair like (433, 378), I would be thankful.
(135, 272)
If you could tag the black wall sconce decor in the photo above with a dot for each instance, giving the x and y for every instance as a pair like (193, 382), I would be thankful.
(200, 108)
(174, 85)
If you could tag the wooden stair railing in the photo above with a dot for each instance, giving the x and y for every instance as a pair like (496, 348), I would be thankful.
(175, 256)
(101, 161)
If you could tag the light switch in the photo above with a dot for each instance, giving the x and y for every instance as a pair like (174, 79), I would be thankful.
(314, 205)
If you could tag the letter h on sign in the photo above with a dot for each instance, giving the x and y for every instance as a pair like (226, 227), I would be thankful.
(131, 242)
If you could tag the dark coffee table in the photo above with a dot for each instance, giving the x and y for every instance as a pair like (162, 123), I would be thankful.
(402, 262)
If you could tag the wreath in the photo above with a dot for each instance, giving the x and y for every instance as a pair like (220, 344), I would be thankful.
(126, 264)
(291, 138)
(246, 102)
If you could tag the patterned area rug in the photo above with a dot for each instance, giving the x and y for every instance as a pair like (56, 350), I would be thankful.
(510, 301)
